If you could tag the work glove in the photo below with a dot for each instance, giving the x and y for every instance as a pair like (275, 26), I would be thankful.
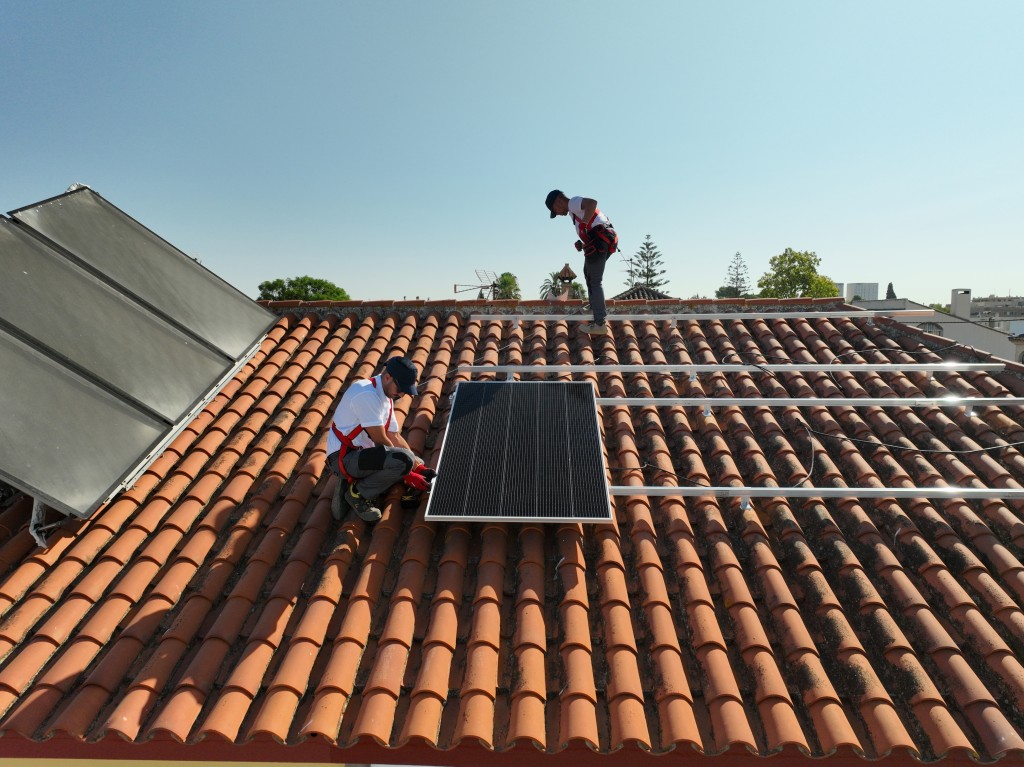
(428, 473)
(579, 245)
(416, 482)
(420, 478)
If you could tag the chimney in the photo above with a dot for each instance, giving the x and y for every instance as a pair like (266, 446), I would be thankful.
(960, 303)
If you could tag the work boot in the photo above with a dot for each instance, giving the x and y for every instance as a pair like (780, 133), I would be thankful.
(337, 507)
(594, 328)
(365, 510)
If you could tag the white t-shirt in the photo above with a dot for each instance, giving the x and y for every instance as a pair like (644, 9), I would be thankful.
(363, 404)
(582, 227)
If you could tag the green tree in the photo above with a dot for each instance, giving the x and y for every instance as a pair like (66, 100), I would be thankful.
(794, 274)
(737, 280)
(940, 307)
(552, 284)
(302, 289)
(822, 287)
(644, 267)
(890, 293)
(507, 286)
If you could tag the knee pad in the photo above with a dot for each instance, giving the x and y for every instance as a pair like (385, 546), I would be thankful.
(372, 458)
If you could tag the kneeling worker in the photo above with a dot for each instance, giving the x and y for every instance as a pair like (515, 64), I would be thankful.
(365, 447)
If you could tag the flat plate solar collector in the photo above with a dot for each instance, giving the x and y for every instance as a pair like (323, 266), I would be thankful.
(522, 451)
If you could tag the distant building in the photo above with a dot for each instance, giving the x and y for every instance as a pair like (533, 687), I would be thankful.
(959, 328)
(999, 312)
(868, 291)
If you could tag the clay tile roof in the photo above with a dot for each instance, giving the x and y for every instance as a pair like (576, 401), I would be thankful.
(567, 274)
(215, 611)
(641, 293)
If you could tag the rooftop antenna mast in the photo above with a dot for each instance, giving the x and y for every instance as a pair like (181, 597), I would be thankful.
(487, 283)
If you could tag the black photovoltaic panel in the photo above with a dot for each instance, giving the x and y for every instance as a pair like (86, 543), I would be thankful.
(521, 451)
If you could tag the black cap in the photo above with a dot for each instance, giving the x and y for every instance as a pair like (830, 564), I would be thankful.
(404, 373)
(553, 195)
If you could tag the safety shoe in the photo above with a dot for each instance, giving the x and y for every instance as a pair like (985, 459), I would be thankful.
(594, 328)
(338, 510)
(365, 510)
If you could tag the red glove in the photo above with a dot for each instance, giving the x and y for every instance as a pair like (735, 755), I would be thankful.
(416, 481)
(420, 478)
(428, 473)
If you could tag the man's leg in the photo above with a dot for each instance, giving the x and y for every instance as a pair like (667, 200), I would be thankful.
(375, 469)
(593, 273)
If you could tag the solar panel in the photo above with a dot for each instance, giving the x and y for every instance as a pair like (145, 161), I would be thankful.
(62, 438)
(109, 339)
(117, 246)
(522, 451)
(58, 305)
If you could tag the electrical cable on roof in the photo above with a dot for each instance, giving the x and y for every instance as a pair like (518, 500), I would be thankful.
(758, 365)
(658, 470)
(913, 449)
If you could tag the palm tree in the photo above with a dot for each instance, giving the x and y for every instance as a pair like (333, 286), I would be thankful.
(576, 290)
(553, 284)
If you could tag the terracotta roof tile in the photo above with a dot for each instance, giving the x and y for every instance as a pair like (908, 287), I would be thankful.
(216, 601)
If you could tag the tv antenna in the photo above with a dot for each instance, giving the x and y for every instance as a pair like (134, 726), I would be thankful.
(487, 283)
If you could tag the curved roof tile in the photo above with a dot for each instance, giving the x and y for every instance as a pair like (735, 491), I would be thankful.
(216, 602)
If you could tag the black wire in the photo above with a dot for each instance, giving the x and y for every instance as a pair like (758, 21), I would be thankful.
(879, 444)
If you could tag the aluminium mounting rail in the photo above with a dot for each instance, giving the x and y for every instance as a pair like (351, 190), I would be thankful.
(947, 401)
(966, 493)
(693, 369)
(678, 317)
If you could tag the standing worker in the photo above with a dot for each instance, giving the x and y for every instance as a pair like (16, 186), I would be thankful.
(597, 240)
(365, 448)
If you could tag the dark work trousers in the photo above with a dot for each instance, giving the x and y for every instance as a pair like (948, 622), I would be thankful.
(375, 468)
(593, 273)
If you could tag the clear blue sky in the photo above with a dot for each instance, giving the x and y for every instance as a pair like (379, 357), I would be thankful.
(396, 147)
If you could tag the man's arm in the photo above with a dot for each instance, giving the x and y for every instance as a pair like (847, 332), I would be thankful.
(589, 208)
(380, 436)
(399, 441)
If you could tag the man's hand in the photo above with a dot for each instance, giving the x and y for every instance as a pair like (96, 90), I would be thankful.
(416, 481)
(420, 477)
(579, 245)
(425, 472)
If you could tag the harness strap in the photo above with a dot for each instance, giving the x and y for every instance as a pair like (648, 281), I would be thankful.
(347, 440)
(583, 227)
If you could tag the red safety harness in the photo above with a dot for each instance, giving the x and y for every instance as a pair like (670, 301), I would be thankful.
(347, 439)
(583, 227)
(605, 233)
